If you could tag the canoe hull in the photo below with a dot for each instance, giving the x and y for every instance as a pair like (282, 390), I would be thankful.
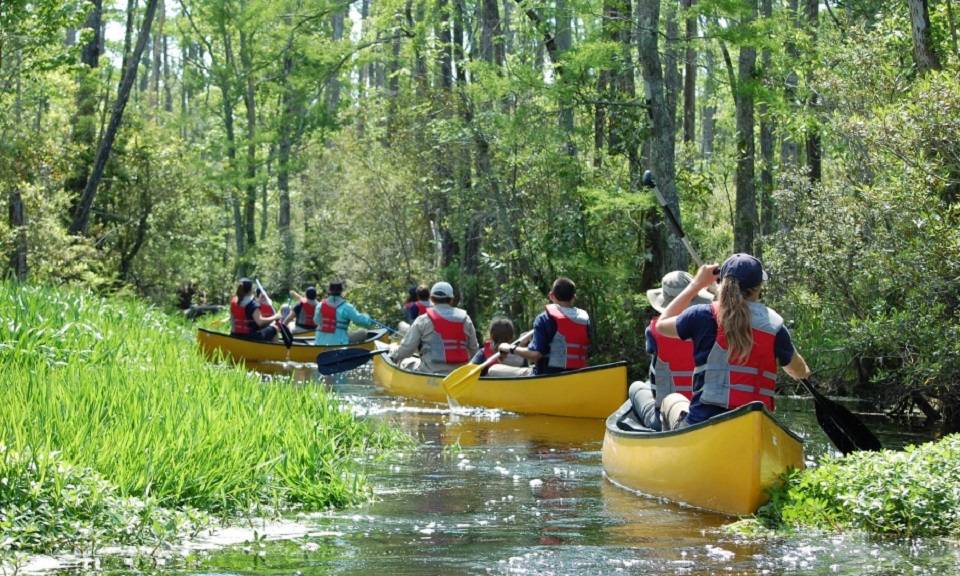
(724, 464)
(216, 345)
(589, 393)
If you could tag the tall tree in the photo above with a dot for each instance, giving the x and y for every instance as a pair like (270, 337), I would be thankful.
(814, 143)
(690, 74)
(670, 254)
(924, 52)
(82, 214)
(85, 119)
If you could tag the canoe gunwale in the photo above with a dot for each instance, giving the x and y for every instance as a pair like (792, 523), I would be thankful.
(593, 392)
(372, 337)
(386, 358)
(718, 419)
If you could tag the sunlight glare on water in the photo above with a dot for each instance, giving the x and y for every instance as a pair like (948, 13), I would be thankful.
(490, 492)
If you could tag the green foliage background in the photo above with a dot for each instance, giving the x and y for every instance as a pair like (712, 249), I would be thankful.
(396, 179)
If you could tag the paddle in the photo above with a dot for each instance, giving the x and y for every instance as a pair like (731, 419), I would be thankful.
(343, 359)
(674, 223)
(284, 331)
(384, 326)
(844, 429)
(458, 382)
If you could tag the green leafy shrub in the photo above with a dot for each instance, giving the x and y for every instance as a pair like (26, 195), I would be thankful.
(913, 493)
(875, 256)
(48, 504)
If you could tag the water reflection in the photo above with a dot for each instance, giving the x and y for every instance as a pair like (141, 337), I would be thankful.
(488, 492)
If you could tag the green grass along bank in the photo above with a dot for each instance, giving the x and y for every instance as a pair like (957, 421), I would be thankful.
(115, 431)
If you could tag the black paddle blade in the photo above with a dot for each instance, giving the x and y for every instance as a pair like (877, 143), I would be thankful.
(285, 335)
(343, 359)
(841, 426)
(844, 429)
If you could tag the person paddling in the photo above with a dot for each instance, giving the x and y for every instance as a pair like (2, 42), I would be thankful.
(508, 365)
(561, 333)
(247, 318)
(671, 364)
(334, 315)
(444, 335)
(737, 343)
(302, 313)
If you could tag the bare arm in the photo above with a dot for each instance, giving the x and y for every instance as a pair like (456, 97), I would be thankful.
(797, 367)
(667, 324)
(262, 320)
(525, 353)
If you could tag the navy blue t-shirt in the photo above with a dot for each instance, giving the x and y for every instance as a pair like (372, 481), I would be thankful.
(544, 329)
(698, 324)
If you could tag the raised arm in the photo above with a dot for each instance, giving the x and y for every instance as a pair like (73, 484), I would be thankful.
(706, 275)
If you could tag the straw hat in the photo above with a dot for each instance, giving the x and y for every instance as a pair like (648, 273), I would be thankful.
(671, 286)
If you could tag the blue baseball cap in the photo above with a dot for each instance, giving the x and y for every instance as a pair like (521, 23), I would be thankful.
(745, 268)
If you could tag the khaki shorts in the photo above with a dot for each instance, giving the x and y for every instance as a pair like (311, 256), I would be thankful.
(673, 410)
(504, 371)
(357, 336)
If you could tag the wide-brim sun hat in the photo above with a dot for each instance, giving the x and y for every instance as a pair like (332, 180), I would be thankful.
(670, 287)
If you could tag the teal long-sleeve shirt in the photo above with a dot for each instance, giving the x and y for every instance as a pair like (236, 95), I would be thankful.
(346, 314)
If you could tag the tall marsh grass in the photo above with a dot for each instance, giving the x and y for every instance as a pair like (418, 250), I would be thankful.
(118, 389)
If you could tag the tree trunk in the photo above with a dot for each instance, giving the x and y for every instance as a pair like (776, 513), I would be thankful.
(814, 146)
(924, 52)
(673, 80)
(17, 220)
(84, 133)
(670, 254)
(167, 91)
(82, 214)
(153, 95)
(767, 216)
(953, 30)
(333, 83)
(708, 122)
(564, 41)
(690, 76)
(491, 34)
(445, 48)
(249, 100)
(746, 222)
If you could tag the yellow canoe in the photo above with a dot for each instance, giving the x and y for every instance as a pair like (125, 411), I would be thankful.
(588, 393)
(215, 344)
(724, 464)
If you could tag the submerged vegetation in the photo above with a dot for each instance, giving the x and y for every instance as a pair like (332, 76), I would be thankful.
(114, 430)
(911, 493)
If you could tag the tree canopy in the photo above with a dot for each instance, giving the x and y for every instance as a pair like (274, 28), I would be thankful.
(498, 145)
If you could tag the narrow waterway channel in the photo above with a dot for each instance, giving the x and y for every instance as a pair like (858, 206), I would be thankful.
(487, 492)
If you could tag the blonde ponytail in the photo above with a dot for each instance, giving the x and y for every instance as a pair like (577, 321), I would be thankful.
(734, 317)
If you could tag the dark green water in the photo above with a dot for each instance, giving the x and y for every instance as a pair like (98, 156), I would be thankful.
(496, 493)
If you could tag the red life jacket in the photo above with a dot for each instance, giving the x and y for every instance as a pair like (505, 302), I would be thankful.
(568, 349)
(489, 351)
(328, 316)
(267, 310)
(732, 384)
(413, 310)
(674, 365)
(449, 337)
(307, 310)
(241, 316)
